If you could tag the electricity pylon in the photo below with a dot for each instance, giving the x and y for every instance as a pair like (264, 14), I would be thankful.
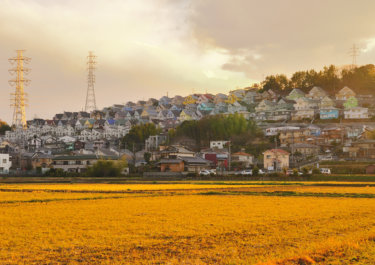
(18, 99)
(354, 52)
(90, 96)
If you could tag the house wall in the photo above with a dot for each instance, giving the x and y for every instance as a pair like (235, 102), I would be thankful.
(5, 163)
(270, 158)
(172, 167)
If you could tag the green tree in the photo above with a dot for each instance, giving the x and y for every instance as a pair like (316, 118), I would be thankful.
(4, 127)
(138, 134)
(147, 157)
(106, 168)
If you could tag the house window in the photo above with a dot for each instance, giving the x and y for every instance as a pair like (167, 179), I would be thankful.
(4, 161)
(65, 163)
(78, 162)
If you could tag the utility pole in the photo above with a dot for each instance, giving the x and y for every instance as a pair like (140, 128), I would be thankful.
(90, 95)
(229, 157)
(19, 82)
(354, 52)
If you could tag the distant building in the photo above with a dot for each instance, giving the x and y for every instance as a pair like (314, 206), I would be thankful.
(218, 144)
(244, 158)
(5, 163)
(153, 142)
(77, 163)
(276, 159)
(345, 93)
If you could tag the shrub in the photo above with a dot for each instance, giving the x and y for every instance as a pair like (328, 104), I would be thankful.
(106, 168)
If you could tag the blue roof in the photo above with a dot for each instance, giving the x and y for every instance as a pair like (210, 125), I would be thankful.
(111, 122)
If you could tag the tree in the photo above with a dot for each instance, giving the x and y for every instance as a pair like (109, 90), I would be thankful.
(138, 134)
(4, 127)
(147, 157)
(107, 168)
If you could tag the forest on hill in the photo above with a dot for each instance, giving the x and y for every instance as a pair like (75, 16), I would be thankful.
(332, 78)
(243, 134)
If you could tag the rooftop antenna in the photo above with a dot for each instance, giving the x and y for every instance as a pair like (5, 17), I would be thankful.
(90, 96)
(19, 82)
(354, 52)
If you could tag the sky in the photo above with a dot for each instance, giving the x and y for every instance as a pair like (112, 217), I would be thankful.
(151, 48)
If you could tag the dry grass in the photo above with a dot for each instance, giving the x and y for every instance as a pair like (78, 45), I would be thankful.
(187, 229)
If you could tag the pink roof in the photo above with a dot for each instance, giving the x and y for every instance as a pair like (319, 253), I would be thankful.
(280, 151)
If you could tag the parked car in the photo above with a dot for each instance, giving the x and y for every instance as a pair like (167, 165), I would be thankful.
(205, 172)
(247, 172)
(325, 171)
(212, 171)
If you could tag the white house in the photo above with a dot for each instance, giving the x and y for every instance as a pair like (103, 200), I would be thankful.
(5, 163)
(218, 144)
(356, 113)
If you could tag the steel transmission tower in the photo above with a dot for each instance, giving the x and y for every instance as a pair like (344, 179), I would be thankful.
(90, 96)
(18, 99)
(354, 52)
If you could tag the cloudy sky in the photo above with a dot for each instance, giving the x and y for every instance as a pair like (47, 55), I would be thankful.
(148, 48)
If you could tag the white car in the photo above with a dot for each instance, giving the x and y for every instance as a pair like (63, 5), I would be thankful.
(261, 172)
(204, 172)
(247, 172)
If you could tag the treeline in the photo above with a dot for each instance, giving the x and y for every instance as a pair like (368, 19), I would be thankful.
(331, 78)
(235, 128)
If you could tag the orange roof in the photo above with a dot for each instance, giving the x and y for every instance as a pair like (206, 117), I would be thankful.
(241, 154)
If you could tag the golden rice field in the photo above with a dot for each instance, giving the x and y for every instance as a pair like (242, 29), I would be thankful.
(42, 226)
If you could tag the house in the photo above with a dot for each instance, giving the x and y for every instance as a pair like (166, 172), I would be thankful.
(154, 141)
(5, 163)
(345, 93)
(305, 149)
(174, 151)
(295, 94)
(363, 149)
(220, 98)
(195, 164)
(187, 115)
(205, 98)
(218, 144)
(251, 97)
(243, 158)
(180, 164)
(77, 163)
(333, 135)
(356, 113)
(272, 131)
(231, 99)
(171, 165)
(41, 160)
(275, 159)
(327, 103)
(317, 93)
(191, 99)
(217, 157)
(370, 169)
(305, 108)
(329, 113)
(288, 137)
